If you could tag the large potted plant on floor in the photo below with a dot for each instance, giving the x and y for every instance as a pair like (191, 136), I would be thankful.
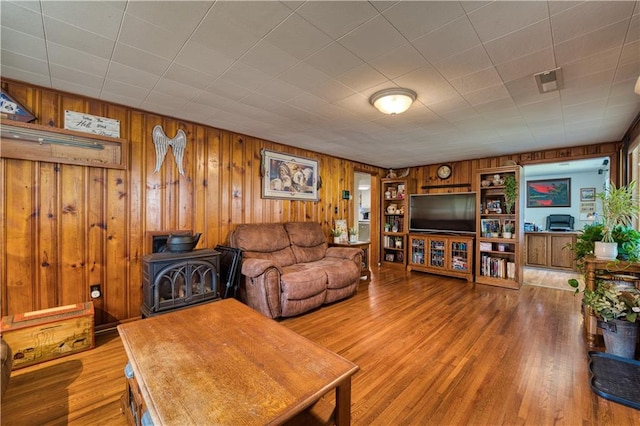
(616, 305)
(619, 208)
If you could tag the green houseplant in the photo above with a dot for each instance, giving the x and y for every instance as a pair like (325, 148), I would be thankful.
(616, 305)
(510, 192)
(619, 207)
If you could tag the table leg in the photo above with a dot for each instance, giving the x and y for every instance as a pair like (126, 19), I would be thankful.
(343, 403)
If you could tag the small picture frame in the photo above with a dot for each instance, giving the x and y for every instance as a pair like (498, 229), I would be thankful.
(490, 227)
(341, 224)
(389, 257)
(587, 194)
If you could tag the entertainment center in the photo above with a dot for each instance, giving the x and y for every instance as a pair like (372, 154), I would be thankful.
(477, 236)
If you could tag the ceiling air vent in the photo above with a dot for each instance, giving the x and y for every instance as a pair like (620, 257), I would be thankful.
(548, 81)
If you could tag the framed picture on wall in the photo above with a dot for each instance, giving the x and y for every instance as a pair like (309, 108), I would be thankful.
(549, 193)
(289, 177)
(587, 194)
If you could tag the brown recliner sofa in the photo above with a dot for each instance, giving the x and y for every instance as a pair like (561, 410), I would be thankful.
(288, 268)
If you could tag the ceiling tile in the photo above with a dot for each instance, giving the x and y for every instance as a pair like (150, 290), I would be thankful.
(372, 39)
(179, 17)
(77, 60)
(525, 91)
(245, 76)
(475, 81)
(227, 90)
(76, 38)
(196, 56)
(591, 43)
(72, 87)
(298, 37)
(22, 74)
(150, 38)
(132, 76)
(400, 61)
(304, 76)
(269, 58)
(587, 17)
(14, 15)
(416, 18)
(101, 18)
(460, 37)
(185, 75)
(136, 58)
(175, 89)
(334, 60)
(527, 65)
(428, 84)
(468, 62)
(361, 78)
(22, 43)
(59, 72)
(18, 61)
(278, 90)
(337, 21)
(605, 60)
(520, 43)
(500, 18)
(123, 89)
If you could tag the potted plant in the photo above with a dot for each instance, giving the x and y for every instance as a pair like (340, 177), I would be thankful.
(507, 230)
(619, 207)
(353, 232)
(510, 193)
(616, 306)
(335, 233)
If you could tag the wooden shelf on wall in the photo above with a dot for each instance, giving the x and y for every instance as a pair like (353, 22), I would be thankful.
(447, 185)
(25, 141)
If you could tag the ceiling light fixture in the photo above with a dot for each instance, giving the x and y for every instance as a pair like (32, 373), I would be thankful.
(393, 101)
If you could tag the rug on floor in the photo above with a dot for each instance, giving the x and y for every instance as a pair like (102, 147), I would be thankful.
(615, 378)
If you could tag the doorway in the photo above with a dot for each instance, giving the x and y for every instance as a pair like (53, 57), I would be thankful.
(362, 210)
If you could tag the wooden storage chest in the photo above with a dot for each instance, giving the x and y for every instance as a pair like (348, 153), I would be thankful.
(40, 336)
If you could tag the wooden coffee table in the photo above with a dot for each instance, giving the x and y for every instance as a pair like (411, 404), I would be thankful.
(224, 363)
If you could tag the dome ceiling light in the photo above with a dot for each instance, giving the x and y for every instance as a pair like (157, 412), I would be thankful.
(393, 101)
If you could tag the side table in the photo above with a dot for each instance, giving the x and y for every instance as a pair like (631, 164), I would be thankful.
(364, 246)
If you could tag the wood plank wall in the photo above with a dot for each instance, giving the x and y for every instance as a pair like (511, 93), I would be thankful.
(67, 227)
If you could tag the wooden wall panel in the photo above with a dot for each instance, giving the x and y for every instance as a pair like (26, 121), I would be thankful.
(67, 227)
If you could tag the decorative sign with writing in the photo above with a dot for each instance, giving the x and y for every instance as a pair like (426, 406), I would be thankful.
(91, 124)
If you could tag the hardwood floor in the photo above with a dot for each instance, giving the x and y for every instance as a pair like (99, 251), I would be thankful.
(432, 350)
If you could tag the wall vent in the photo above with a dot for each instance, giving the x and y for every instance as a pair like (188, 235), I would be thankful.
(548, 81)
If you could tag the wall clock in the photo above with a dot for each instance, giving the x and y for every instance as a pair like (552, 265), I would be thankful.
(444, 171)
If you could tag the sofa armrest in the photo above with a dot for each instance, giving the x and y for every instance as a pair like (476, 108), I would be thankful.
(255, 267)
(348, 253)
(260, 286)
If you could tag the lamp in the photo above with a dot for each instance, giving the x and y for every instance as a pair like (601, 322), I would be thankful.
(393, 101)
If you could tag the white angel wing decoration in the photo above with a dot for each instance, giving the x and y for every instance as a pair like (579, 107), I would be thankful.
(162, 143)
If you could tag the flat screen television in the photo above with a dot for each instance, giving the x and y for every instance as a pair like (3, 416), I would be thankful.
(446, 213)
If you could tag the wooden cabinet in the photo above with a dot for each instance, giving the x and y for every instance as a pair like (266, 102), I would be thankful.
(395, 221)
(441, 254)
(499, 252)
(547, 250)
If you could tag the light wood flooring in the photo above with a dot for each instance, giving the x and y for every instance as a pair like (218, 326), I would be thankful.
(432, 351)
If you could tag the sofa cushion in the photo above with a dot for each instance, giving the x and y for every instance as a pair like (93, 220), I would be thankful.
(308, 242)
(340, 272)
(302, 281)
(264, 241)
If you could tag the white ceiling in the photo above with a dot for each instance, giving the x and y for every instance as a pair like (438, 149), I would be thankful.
(301, 73)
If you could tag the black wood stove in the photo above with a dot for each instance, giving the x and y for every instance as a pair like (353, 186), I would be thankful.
(178, 280)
